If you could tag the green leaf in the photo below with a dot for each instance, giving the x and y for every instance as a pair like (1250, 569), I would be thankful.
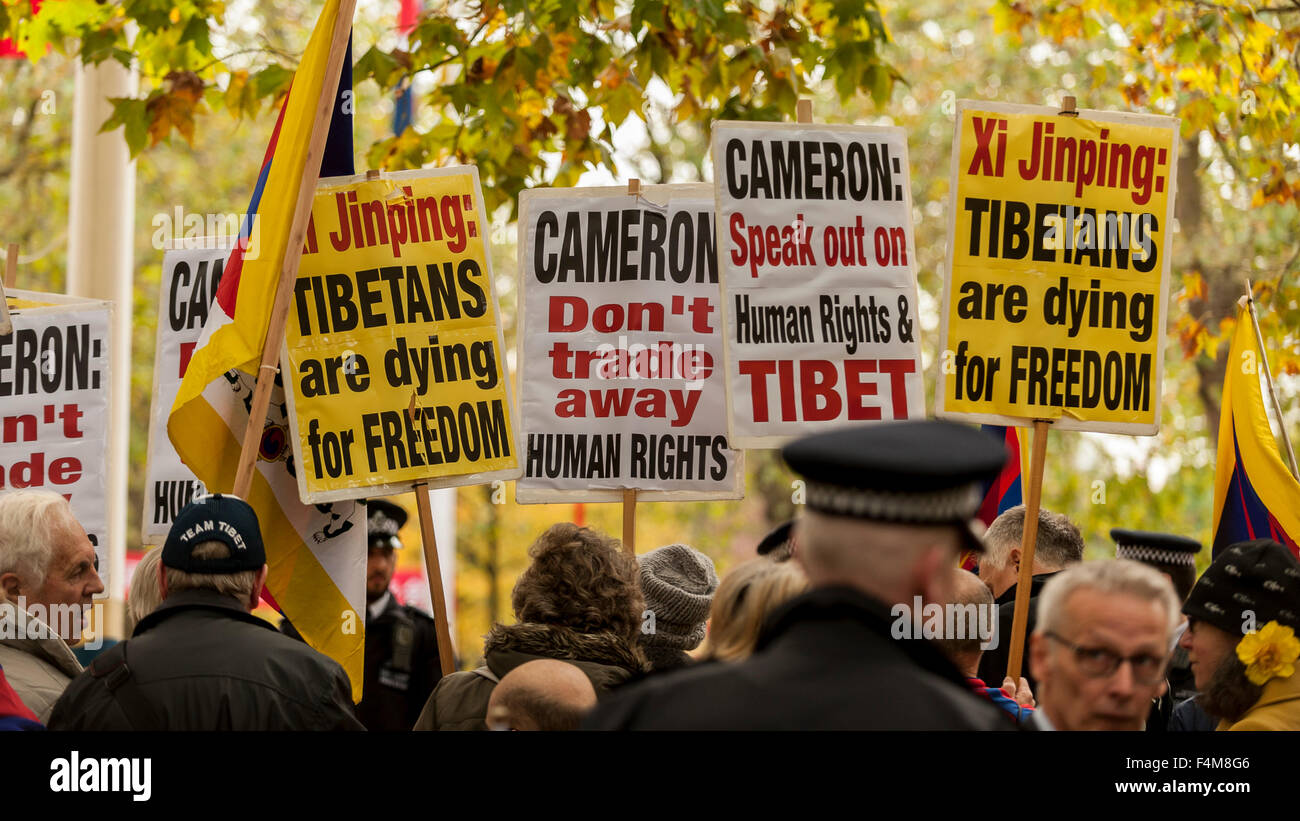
(272, 80)
(132, 115)
(195, 34)
(378, 65)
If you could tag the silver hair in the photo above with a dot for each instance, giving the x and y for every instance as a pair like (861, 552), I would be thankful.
(1057, 545)
(144, 595)
(1113, 576)
(28, 521)
(239, 584)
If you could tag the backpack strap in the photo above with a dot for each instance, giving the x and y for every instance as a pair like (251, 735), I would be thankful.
(111, 668)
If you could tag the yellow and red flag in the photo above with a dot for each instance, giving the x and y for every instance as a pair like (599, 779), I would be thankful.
(317, 558)
(1255, 496)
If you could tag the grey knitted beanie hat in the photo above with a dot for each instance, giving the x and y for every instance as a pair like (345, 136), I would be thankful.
(678, 583)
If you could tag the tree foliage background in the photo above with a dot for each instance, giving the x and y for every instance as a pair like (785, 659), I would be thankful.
(567, 92)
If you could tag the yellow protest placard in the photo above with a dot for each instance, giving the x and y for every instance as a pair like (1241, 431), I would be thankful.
(1058, 267)
(394, 348)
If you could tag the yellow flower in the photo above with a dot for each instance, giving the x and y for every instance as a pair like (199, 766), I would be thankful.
(1269, 653)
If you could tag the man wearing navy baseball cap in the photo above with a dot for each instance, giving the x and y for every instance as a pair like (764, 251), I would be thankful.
(201, 660)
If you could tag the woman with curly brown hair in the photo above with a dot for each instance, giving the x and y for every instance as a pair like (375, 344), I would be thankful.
(579, 601)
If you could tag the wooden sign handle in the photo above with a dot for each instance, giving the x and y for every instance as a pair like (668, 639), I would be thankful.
(11, 266)
(1029, 540)
(803, 111)
(433, 569)
(629, 521)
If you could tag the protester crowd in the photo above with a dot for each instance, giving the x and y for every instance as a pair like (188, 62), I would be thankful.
(855, 616)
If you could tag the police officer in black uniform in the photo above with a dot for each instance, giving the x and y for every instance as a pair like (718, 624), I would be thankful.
(888, 510)
(401, 663)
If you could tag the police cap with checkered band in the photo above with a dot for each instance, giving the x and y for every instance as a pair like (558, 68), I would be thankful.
(1154, 548)
(383, 522)
(923, 472)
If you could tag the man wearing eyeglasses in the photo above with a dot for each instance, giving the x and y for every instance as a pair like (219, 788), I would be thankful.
(1100, 646)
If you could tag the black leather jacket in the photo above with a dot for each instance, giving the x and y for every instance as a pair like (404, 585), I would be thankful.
(824, 661)
(202, 662)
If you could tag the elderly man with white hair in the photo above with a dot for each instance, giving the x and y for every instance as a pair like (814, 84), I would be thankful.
(1104, 634)
(48, 578)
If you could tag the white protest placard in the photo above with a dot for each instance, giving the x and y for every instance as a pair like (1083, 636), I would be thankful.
(190, 276)
(54, 385)
(818, 269)
(621, 380)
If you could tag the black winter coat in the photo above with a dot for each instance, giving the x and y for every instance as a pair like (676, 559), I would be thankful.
(402, 667)
(202, 662)
(825, 661)
(993, 664)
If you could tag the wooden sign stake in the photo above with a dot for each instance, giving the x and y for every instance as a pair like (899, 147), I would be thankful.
(11, 266)
(629, 521)
(293, 252)
(803, 111)
(1028, 541)
(433, 569)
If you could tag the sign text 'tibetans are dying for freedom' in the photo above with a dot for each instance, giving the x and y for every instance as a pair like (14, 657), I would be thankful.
(395, 299)
(1058, 273)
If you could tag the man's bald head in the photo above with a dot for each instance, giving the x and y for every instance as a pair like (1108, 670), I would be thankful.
(541, 695)
(975, 601)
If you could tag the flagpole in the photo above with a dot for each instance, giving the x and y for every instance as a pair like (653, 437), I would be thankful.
(293, 252)
(1268, 377)
(1028, 543)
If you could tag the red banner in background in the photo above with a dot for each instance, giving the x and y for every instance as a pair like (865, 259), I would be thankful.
(8, 48)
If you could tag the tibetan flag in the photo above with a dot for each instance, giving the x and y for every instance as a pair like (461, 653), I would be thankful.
(1002, 492)
(316, 553)
(1255, 496)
